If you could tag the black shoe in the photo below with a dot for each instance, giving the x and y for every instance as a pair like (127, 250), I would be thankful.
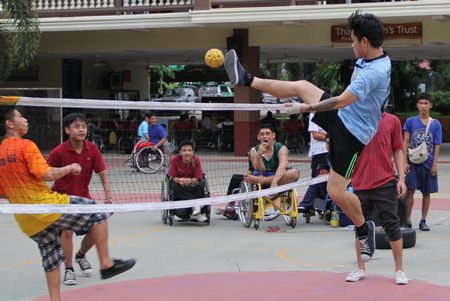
(119, 267)
(367, 244)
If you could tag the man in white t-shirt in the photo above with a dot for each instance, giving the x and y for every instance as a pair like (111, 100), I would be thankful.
(318, 153)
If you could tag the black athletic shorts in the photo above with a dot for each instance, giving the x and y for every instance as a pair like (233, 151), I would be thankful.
(344, 147)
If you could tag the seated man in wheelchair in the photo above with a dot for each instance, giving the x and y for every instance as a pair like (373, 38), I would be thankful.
(267, 166)
(186, 180)
(156, 132)
(269, 160)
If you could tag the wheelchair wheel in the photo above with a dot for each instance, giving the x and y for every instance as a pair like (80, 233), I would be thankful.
(307, 216)
(246, 207)
(290, 221)
(148, 160)
(164, 198)
(256, 225)
(97, 140)
(327, 217)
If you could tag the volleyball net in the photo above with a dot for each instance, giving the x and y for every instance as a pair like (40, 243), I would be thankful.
(209, 126)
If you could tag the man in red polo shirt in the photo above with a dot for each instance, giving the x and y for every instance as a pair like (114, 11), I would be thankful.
(374, 183)
(186, 174)
(77, 149)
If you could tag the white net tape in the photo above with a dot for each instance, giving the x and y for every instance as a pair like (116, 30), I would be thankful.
(42, 208)
(152, 205)
(143, 105)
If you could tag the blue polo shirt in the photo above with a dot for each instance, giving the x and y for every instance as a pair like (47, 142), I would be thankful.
(156, 133)
(370, 83)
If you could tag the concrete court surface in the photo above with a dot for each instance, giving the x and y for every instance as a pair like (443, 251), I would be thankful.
(226, 261)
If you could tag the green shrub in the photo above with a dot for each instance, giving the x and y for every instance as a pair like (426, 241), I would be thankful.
(441, 102)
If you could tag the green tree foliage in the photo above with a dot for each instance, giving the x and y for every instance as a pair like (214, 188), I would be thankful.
(160, 72)
(328, 75)
(405, 78)
(19, 45)
(441, 102)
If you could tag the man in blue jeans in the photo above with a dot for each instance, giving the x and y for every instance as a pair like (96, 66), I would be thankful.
(350, 119)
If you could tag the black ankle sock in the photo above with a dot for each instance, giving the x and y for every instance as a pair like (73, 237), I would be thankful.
(70, 269)
(248, 79)
(362, 231)
(79, 255)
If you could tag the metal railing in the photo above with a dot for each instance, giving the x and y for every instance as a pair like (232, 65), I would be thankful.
(66, 8)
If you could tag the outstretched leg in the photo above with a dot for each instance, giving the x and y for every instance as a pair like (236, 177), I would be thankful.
(281, 89)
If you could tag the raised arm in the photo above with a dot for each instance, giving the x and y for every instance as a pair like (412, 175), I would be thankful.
(333, 103)
(256, 158)
(56, 173)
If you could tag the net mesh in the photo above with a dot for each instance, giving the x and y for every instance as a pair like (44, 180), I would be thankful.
(114, 128)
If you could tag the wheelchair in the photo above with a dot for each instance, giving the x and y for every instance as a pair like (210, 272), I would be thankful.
(264, 209)
(146, 159)
(94, 138)
(183, 214)
(324, 208)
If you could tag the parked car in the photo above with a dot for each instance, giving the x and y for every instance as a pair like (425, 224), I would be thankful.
(179, 95)
(268, 98)
(215, 91)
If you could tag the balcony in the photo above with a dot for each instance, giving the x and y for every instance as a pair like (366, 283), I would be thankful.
(72, 8)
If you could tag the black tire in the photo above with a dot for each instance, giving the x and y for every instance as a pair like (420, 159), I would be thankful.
(256, 225)
(246, 207)
(293, 222)
(382, 241)
(164, 198)
(307, 217)
(148, 160)
(327, 217)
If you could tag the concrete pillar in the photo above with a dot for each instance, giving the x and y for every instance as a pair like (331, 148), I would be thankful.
(202, 4)
(246, 123)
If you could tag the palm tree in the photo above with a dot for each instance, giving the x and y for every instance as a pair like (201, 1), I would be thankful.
(160, 72)
(20, 43)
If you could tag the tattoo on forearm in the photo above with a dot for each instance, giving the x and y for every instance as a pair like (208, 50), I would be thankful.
(325, 105)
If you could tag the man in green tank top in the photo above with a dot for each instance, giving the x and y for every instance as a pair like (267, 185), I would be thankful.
(269, 160)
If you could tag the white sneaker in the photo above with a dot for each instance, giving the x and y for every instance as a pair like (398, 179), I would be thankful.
(69, 277)
(400, 278)
(196, 210)
(355, 275)
(199, 217)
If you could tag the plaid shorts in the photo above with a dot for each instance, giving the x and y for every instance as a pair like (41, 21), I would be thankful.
(49, 239)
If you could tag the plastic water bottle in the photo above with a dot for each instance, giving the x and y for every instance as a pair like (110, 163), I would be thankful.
(334, 219)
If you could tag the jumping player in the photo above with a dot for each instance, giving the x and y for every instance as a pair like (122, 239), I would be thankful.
(351, 119)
